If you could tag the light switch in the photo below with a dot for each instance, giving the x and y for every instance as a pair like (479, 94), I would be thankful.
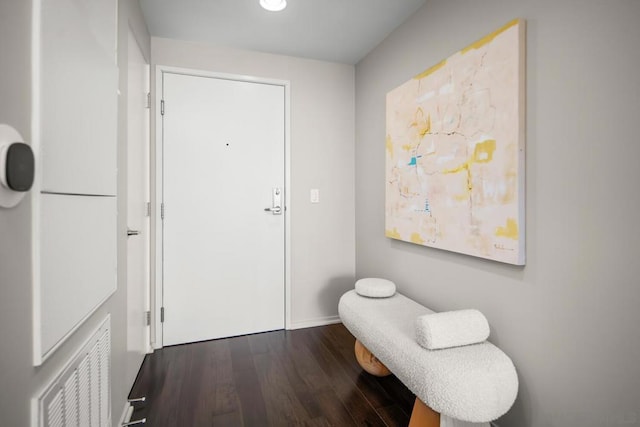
(315, 195)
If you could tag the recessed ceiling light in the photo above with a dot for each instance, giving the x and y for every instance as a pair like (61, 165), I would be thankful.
(273, 5)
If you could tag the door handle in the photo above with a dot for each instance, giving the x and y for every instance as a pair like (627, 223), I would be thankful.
(276, 202)
(131, 232)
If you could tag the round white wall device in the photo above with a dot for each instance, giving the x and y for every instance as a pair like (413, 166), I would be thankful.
(17, 167)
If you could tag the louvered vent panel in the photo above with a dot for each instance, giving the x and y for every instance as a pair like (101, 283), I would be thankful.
(80, 396)
(71, 403)
(105, 384)
(94, 392)
(55, 410)
(84, 400)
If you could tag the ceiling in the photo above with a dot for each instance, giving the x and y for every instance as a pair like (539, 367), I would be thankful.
(330, 30)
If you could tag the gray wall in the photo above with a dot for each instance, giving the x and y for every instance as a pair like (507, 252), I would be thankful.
(16, 371)
(569, 319)
(19, 379)
(322, 156)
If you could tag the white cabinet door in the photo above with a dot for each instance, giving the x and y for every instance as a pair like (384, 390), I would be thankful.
(77, 261)
(78, 97)
(75, 93)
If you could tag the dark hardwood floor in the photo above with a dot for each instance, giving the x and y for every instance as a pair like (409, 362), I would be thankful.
(306, 377)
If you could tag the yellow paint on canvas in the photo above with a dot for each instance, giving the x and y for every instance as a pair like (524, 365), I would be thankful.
(465, 167)
(417, 238)
(420, 123)
(483, 151)
(426, 126)
(489, 37)
(461, 168)
(510, 230)
(431, 70)
(390, 146)
(407, 147)
(394, 234)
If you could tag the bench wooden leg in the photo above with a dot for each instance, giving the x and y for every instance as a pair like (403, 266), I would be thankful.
(423, 416)
(369, 362)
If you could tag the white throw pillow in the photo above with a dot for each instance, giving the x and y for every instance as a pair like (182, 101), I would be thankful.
(375, 288)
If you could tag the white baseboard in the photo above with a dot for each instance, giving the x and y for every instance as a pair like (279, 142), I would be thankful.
(311, 323)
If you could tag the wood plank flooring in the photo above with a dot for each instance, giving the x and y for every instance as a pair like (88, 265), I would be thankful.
(306, 377)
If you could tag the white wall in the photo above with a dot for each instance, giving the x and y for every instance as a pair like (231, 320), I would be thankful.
(322, 156)
(569, 318)
(19, 379)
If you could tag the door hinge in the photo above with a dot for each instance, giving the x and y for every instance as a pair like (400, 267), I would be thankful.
(147, 318)
(148, 212)
(161, 210)
(161, 314)
(148, 100)
(162, 107)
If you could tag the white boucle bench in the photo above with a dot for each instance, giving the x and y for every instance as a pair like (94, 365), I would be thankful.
(468, 384)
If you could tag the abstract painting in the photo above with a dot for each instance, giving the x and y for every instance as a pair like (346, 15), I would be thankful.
(455, 151)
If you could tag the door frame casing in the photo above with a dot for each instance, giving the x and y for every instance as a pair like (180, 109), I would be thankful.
(157, 176)
(131, 36)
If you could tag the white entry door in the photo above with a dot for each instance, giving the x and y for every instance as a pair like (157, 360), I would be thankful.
(223, 163)
(138, 242)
